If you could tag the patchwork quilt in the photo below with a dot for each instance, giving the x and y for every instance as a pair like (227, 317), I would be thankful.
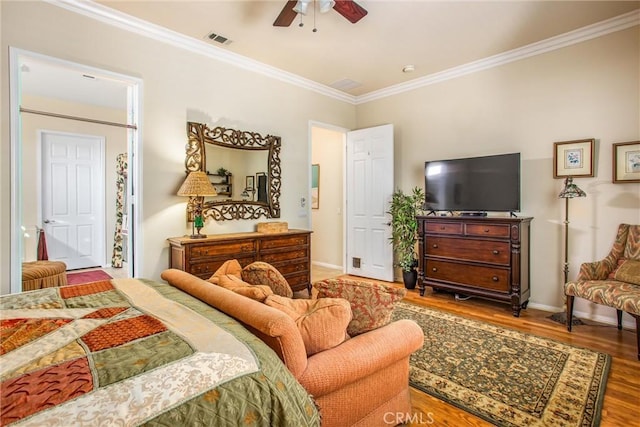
(136, 352)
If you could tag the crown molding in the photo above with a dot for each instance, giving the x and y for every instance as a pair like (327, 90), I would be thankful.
(144, 28)
(580, 35)
(129, 23)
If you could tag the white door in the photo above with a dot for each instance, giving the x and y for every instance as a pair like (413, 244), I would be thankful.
(73, 198)
(369, 252)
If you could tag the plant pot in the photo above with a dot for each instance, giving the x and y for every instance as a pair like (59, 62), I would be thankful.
(410, 278)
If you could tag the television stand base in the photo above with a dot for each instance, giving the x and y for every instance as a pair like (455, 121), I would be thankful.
(473, 214)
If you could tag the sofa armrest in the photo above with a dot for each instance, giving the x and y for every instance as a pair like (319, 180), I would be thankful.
(597, 270)
(272, 326)
(361, 356)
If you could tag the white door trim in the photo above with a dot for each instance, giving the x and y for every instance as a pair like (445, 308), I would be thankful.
(134, 200)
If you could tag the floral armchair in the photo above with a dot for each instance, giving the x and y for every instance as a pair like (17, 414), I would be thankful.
(613, 281)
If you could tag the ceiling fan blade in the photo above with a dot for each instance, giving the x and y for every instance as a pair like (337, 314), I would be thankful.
(351, 10)
(287, 15)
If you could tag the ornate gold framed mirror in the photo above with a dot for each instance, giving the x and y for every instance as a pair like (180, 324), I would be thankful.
(230, 157)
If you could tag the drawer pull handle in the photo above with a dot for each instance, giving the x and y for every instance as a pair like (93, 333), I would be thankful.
(434, 269)
(435, 245)
(486, 230)
(442, 227)
(495, 278)
(496, 252)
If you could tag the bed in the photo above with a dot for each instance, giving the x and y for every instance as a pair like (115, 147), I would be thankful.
(138, 352)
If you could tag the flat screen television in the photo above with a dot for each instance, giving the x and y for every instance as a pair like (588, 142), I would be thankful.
(474, 184)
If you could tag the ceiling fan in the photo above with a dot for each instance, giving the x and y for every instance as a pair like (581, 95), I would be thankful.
(352, 11)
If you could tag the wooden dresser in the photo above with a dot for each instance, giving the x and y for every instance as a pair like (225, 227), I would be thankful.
(476, 256)
(289, 252)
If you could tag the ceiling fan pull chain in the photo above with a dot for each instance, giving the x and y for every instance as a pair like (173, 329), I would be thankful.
(314, 16)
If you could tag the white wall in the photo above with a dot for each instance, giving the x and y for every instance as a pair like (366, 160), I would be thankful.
(589, 90)
(178, 86)
(328, 151)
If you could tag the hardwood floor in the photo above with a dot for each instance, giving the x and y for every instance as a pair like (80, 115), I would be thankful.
(621, 405)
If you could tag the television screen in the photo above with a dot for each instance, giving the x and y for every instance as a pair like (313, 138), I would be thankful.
(475, 184)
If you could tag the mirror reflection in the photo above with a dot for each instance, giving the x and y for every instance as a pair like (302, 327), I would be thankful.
(244, 168)
(235, 174)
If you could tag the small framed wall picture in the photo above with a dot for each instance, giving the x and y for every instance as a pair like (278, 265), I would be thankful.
(249, 183)
(573, 158)
(626, 162)
(315, 186)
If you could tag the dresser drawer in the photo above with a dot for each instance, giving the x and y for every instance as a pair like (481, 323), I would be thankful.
(496, 279)
(487, 230)
(206, 268)
(298, 281)
(284, 242)
(275, 257)
(229, 250)
(442, 227)
(292, 267)
(490, 251)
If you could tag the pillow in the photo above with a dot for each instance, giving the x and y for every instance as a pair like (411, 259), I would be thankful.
(258, 293)
(231, 267)
(228, 277)
(628, 271)
(322, 323)
(262, 273)
(371, 303)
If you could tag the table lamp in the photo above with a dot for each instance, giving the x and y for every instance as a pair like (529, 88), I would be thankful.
(196, 186)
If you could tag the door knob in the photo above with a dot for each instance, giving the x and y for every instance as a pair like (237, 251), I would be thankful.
(47, 221)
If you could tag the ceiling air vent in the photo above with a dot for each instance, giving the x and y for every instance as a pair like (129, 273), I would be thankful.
(345, 84)
(218, 38)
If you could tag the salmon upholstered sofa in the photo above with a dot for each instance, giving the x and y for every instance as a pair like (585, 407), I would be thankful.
(364, 381)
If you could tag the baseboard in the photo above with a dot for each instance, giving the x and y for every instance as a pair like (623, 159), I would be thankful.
(607, 320)
(327, 265)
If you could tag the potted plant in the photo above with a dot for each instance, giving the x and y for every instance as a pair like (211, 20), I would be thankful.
(404, 232)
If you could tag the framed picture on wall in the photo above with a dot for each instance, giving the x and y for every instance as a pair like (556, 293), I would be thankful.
(249, 183)
(573, 158)
(626, 162)
(315, 186)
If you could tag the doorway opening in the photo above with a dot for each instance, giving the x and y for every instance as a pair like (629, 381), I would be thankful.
(52, 94)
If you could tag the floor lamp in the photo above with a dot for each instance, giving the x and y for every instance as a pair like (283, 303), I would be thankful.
(569, 191)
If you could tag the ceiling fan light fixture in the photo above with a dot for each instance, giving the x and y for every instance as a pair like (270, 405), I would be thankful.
(301, 7)
(326, 5)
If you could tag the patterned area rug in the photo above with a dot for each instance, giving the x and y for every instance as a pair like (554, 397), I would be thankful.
(504, 376)
(87, 277)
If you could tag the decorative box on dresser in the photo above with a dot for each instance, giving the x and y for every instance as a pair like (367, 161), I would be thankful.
(289, 252)
(476, 256)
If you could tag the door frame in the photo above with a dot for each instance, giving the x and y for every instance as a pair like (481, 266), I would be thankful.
(343, 131)
(134, 183)
(103, 183)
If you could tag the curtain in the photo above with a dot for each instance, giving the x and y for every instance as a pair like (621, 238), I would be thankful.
(43, 255)
(121, 188)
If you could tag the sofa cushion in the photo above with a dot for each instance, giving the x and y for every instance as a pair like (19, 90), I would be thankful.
(628, 271)
(262, 273)
(228, 276)
(230, 267)
(322, 323)
(233, 283)
(371, 303)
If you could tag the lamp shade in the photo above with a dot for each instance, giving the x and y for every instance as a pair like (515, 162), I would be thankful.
(571, 190)
(197, 184)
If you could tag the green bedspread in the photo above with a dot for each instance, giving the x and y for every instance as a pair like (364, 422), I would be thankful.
(137, 352)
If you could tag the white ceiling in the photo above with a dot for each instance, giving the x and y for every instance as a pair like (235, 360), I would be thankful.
(433, 36)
